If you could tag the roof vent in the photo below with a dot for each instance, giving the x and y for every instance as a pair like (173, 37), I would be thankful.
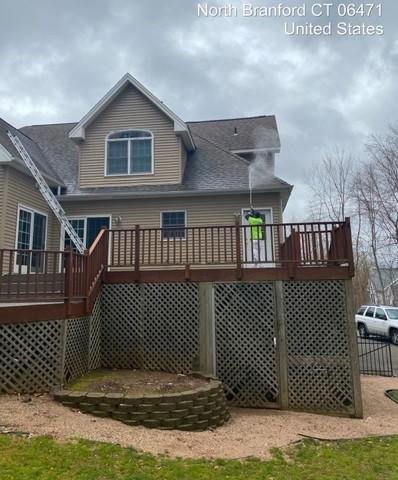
(235, 131)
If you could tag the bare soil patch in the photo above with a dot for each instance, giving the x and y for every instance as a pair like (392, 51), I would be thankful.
(135, 381)
(248, 432)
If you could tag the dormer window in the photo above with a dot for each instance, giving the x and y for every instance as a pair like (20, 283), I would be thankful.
(129, 152)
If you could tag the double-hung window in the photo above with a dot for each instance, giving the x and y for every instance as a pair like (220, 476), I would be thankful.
(173, 225)
(129, 152)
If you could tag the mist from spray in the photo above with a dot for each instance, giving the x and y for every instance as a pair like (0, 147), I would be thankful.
(261, 168)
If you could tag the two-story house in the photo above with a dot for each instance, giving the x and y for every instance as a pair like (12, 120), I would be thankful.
(131, 160)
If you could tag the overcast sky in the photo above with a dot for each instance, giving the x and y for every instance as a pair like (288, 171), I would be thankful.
(58, 58)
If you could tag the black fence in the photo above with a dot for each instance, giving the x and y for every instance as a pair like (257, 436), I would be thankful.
(375, 356)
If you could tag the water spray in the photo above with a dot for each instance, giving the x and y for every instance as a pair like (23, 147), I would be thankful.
(250, 188)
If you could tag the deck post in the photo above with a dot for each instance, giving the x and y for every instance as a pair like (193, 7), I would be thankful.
(281, 352)
(87, 274)
(353, 348)
(238, 249)
(207, 355)
(348, 246)
(137, 250)
(68, 279)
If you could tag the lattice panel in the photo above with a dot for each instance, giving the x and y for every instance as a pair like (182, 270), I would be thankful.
(319, 372)
(122, 334)
(170, 326)
(30, 356)
(76, 348)
(94, 360)
(245, 349)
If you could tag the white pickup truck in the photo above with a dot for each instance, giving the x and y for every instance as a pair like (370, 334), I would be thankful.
(378, 320)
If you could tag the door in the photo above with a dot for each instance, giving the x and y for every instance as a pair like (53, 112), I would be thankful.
(245, 341)
(369, 321)
(258, 252)
(31, 236)
(94, 225)
(380, 322)
(87, 228)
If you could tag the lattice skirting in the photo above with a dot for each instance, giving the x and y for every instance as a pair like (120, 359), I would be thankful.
(31, 356)
(245, 349)
(319, 360)
(278, 344)
(151, 326)
(38, 356)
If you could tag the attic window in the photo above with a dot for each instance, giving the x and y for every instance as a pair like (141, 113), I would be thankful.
(235, 131)
(129, 152)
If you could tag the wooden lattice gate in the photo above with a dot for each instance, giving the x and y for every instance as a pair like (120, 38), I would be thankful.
(245, 337)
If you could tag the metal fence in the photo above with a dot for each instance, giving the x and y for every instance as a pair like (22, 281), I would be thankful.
(375, 357)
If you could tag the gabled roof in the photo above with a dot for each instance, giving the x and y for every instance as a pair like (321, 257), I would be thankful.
(180, 128)
(210, 169)
(241, 134)
(42, 162)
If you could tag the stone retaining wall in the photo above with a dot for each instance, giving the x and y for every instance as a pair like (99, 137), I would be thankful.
(199, 409)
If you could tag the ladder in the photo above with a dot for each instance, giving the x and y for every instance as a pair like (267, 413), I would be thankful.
(48, 195)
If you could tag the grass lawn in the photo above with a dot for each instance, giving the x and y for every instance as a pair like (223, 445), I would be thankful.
(393, 394)
(43, 458)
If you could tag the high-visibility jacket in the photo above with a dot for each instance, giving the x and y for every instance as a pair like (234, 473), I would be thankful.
(256, 232)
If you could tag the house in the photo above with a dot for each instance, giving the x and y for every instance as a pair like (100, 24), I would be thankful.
(168, 285)
(383, 287)
(131, 160)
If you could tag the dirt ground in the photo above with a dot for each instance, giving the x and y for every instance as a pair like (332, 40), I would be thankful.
(248, 433)
(135, 381)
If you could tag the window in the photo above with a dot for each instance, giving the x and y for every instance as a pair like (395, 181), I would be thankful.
(392, 313)
(129, 152)
(173, 224)
(31, 235)
(369, 312)
(361, 311)
(79, 225)
(380, 314)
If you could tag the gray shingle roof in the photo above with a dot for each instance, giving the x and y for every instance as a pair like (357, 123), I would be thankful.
(240, 133)
(210, 168)
(42, 162)
(59, 149)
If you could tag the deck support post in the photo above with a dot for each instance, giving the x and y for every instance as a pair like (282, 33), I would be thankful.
(68, 279)
(280, 332)
(353, 349)
(207, 355)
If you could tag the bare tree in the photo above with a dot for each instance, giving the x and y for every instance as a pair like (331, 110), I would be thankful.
(364, 192)
(330, 186)
(383, 153)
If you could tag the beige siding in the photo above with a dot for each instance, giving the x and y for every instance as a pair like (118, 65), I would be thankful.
(183, 159)
(21, 190)
(130, 110)
(3, 189)
(215, 210)
(209, 210)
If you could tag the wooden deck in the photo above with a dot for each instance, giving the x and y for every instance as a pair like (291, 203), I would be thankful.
(68, 281)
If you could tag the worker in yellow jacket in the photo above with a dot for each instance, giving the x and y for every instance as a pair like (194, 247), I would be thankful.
(256, 235)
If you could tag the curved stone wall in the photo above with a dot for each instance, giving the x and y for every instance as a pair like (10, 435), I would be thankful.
(199, 409)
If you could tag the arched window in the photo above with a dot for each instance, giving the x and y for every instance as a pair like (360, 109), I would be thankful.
(129, 152)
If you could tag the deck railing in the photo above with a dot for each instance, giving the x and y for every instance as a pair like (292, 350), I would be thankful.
(41, 275)
(268, 245)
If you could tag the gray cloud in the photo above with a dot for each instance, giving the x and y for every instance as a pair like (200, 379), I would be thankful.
(59, 58)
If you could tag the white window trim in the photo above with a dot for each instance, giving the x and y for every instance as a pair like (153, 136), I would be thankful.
(32, 211)
(83, 217)
(174, 211)
(128, 174)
